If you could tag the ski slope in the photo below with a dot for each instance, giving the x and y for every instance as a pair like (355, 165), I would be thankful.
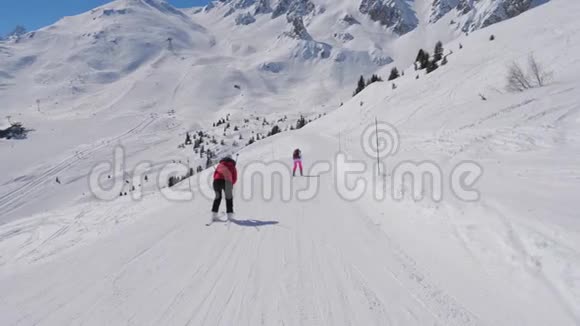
(510, 258)
(90, 79)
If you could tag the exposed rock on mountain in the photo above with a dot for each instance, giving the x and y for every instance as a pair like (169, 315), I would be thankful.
(298, 30)
(395, 14)
(293, 8)
(245, 19)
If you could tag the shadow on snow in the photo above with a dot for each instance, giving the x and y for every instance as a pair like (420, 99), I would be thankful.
(253, 223)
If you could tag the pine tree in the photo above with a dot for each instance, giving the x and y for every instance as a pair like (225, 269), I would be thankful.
(432, 66)
(394, 74)
(426, 60)
(420, 56)
(374, 79)
(197, 143)
(275, 130)
(438, 53)
(361, 85)
(302, 121)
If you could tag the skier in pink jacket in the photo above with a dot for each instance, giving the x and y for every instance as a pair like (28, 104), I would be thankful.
(297, 156)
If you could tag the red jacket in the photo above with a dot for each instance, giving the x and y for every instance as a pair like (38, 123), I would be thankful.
(226, 170)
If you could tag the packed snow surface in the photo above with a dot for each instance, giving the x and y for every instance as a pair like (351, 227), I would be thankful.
(511, 256)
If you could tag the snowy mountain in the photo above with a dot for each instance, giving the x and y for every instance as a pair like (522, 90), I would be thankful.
(397, 14)
(145, 64)
(91, 233)
(15, 33)
(400, 16)
(126, 46)
(473, 15)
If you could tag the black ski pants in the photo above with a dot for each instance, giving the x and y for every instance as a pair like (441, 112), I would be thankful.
(226, 187)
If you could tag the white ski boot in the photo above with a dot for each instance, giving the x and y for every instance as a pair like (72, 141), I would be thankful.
(230, 216)
(215, 217)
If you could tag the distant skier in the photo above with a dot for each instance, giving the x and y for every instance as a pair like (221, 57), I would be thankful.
(297, 156)
(224, 179)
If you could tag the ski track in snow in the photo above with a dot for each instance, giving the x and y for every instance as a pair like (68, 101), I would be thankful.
(19, 196)
(232, 267)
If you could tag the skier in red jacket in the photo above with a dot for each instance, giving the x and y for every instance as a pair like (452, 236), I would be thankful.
(224, 179)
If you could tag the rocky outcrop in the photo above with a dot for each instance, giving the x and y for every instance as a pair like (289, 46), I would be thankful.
(464, 7)
(262, 7)
(343, 37)
(440, 8)
(298, 30)
(306, 48)
(293, 8)
(273, 67)
(478, 14)
(349, 20)
(508, 9)
(395, 14)
(245, 19)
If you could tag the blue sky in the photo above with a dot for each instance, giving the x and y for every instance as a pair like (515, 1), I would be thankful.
(34, 14)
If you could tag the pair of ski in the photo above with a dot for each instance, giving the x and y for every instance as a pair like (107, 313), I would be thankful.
(213, 221)
(218, 219)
